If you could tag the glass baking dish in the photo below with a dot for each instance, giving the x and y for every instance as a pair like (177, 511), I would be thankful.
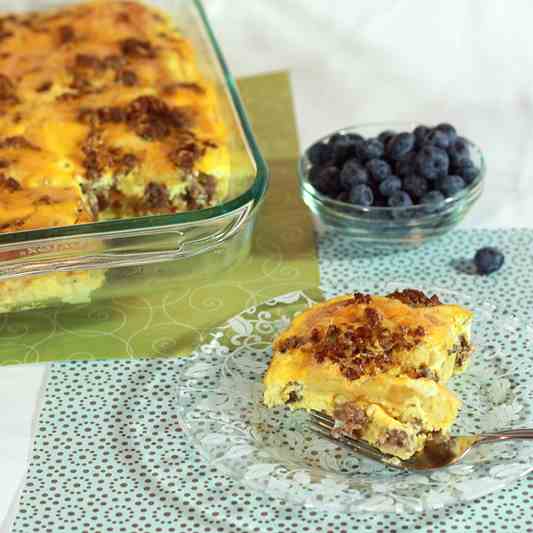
(76, 260)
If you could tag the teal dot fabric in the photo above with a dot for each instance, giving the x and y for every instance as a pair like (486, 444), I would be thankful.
(109, 455)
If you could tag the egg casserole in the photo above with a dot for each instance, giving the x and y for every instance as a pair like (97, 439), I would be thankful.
(377, 364)
(104, 114)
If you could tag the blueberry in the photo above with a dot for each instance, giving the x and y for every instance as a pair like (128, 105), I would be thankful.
(355, 137)
(467, 170)
(343, 149)
(314, 172)
(437, 138)
(353, 173)
(459, 150)
(369, 149)
(320, 153)
(380, 201)
(432, 197)
(343, 196)
(374, 185)
(374, 149)
(379, 169)
(416, 186)
(390, 185)
(386, 136)
(334, 138)
(400, 199)
(326, 180)
(449, 131)
(433, 200)
(400, 145)
(420, 133)
(451, 185)
(362, 195)
(488, 260)
(432, 162)
(406, 166)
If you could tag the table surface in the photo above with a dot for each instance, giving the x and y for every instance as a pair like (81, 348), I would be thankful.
(365, 62)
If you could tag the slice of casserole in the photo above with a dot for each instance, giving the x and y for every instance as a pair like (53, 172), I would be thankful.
(378, 364)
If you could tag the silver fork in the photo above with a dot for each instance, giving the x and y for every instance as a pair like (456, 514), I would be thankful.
(436, 453)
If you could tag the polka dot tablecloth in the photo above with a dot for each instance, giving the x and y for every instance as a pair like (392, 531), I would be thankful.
(109, 455)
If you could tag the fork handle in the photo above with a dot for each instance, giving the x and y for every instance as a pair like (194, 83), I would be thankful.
(506, 435)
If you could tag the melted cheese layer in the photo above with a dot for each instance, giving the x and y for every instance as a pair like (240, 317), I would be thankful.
(102, 106)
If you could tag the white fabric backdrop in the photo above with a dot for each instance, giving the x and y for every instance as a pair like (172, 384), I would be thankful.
(467, 62)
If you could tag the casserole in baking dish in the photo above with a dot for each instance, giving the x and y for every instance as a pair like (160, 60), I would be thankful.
(122, 142)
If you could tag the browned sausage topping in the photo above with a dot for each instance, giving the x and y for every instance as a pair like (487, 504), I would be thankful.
(209, 184)
(354, 420)
(360, 298)
(45, 86)
(289, 343)
(18, 141)
(114, 61)
(45, 200)
(9, 183)
(88, 61)
(66, 34)
(152, 119)
(359, 349)
(415, 298)
(396, 438)
(99, 158)
(424, 372)
(156, 195)
(7, 90)
(126, 77)
(137, 48)
(461, 351)
(5, 34)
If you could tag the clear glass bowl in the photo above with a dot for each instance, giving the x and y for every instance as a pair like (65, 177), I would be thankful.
(274, 451)
(387, 226)
(197, 243)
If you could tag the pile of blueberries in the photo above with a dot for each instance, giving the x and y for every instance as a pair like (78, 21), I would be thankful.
(424, 166)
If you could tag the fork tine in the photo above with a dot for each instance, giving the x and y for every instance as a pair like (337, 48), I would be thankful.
(341, 441)
(365, 445)
(322, 431)
(328, 422)
(368, 451)
(323, 417)
(356, 443)
(323, 424)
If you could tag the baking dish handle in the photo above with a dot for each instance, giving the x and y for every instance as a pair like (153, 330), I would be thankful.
(117, 249)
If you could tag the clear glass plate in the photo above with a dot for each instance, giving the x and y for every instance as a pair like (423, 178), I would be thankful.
(274, 451)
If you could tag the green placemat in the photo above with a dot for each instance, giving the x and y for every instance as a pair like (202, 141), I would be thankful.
(171, 321)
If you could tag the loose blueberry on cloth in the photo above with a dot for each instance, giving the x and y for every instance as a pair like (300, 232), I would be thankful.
(488, 260)
(400, 169)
